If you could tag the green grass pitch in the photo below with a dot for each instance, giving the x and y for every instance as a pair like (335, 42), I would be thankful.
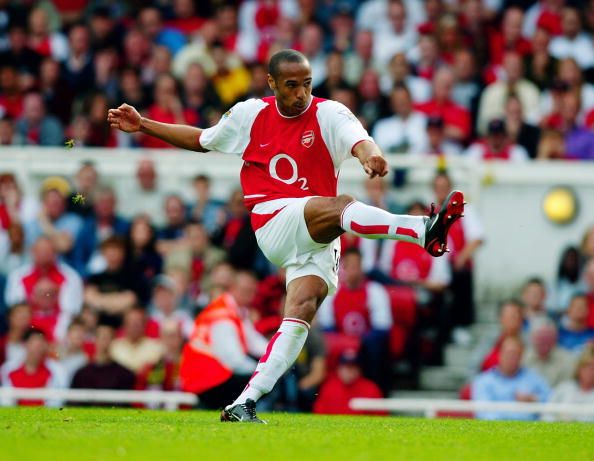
(108, 434)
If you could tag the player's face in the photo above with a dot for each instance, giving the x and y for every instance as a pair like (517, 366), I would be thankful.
(292, 88)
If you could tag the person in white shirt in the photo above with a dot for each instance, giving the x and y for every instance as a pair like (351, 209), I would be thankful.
(400, 37)
(403, 132)
(574, 43)
(399, 72)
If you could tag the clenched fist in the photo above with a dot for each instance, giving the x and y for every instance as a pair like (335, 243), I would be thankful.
(376, 165)
(125, 118)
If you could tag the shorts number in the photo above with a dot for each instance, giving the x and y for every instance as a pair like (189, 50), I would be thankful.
(294, 176)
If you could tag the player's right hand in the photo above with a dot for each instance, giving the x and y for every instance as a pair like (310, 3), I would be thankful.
(125, 118)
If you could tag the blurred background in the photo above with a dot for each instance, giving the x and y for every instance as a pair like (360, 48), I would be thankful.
(111, 243)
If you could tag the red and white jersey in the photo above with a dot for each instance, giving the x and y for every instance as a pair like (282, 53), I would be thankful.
(464, 231)
(50, 374)
(22, 281)
(512, 152)
(354, 311)
(408, 262)
(286, 157)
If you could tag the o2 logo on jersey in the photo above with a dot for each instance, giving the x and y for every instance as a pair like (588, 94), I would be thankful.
(307, 139)
(294, 175)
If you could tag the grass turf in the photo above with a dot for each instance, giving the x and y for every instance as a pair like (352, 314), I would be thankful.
(108, 434)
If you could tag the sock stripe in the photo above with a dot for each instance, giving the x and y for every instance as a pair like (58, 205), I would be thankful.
(269, 347)
(302, 322)
(369, 230)
(408, 232)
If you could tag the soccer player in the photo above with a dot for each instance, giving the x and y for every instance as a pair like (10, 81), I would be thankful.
(292, 145)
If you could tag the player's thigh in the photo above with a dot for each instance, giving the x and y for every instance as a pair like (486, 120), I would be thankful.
(323, 214)
(304, 296)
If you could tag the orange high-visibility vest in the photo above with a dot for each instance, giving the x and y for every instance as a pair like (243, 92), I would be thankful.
(200, 370)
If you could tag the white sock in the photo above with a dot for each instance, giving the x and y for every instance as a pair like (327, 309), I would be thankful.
(374, 223)
(281, 353)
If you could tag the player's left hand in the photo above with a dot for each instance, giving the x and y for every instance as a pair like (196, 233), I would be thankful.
(375, 165)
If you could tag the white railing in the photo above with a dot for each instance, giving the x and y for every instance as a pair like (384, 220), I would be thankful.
(169, 400)
(431, 407)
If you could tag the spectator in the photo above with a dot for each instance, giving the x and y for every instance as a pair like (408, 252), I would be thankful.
(7, 131)
(509, 382)
(579, 140)
(11, 97)
(42, 40)
(544, 13)
(59, 279)
(204, 208)
(36, 371)
(404, 132)
(269, 301)
(71, 354)
(579, 390)
(159, 64)
(493, 98)
(400, 74)
(551, 146)
(35, 127)
(14, 255)
(18, 54)
(568, 281)
(152, 27)
(165, 308)
(464, 239)
(130, 88)
(510, 324)
(115, 290)
(540, 65)
(509, 38)
(85, 183)
(589, 283)
(198, 92)
(360, 58)
(100, 134)
(102, 224)
(534, 298)
(231, 79)
(348, 383)
(215, 362)
(57, 94)
(185, 17)
(134, 350)
(146, 194)
(496, 146)
(398, 37)
(552, 362)
(12, 346)
(105, 31)
(60, 226)
(103, 372)
(372, 104)
(438, 144)
(456, 119)
(517, 130)
(170, 235)
(311, 39)
(573, 43)
(167, 108)
(425, 58)
(574, 332)
(78, 68)
(361, 308)
(164, 375)
(467, 87)
(334, 75)
(141, 251)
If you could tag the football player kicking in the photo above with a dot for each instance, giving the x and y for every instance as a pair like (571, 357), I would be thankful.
(292, 145)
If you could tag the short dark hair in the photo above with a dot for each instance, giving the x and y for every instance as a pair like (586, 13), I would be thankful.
(283, 56)
(34, 332)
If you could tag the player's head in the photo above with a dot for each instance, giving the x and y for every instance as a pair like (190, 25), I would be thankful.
(289, 77)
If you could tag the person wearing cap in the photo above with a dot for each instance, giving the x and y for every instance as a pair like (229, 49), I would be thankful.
(496, 146)
(438, 143)
(348, 383)
(53, 221)
(164, 307)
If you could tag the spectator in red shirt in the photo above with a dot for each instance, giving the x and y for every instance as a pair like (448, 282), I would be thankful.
(36, 371)
(540, 65)
(509, 37)
(456, 118)
(496, 145)
(348, 383)
(510, 321)
(361, 308)
(589, 281)
(11, 98)
(167, 108)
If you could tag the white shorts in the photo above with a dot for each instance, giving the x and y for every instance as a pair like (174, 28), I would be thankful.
(286, 242)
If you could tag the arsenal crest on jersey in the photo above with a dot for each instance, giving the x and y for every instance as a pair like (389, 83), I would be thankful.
(308, 138)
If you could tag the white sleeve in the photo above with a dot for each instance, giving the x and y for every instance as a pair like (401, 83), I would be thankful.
(227, 348)
(518, 154)
(232, 134)
(340, 129)
(440, 271)
(475, 152)
(379, 305)
(473, 228)
(325, 315)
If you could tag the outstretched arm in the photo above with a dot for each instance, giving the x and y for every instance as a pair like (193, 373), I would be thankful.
(371, 158)
(127, 118)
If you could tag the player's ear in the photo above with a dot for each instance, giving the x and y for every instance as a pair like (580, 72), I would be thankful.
(271, 82)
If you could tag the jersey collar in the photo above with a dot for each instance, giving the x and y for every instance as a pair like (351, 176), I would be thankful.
(293, 116)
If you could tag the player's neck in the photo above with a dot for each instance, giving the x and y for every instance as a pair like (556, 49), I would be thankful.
(283, 113)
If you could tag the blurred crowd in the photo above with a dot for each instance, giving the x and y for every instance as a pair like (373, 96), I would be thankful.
(102, 292)
(486, 79)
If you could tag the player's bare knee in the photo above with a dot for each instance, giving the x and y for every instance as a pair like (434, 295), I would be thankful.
(342, 201)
